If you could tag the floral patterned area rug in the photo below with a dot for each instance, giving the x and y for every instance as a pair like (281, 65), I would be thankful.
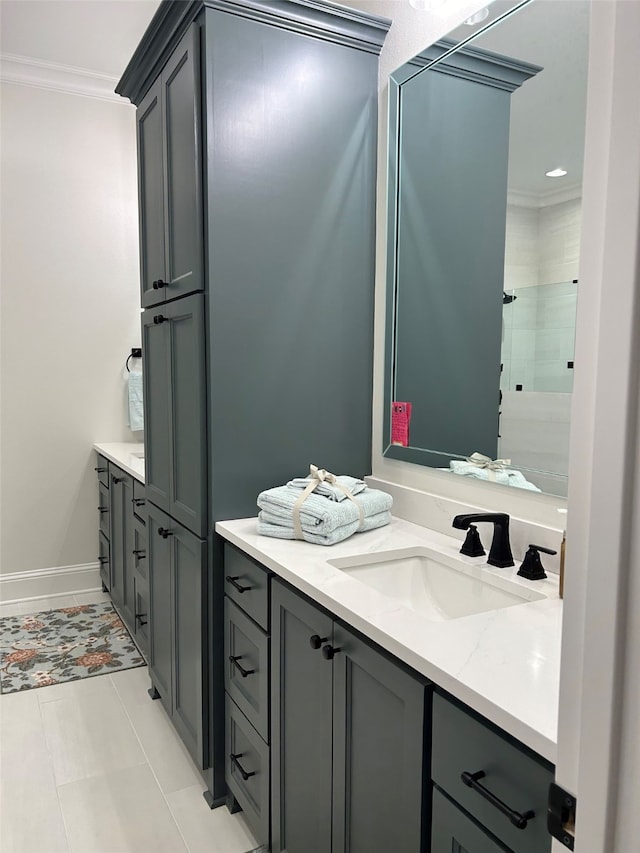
(63, 645)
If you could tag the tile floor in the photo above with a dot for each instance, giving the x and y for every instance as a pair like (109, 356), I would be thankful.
(94, 766)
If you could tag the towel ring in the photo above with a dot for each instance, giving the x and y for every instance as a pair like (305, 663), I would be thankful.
(135, 353)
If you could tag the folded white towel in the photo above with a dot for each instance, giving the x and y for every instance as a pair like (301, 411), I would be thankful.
(136, 410)
(267, 527)
(317, 513)
(327, 490)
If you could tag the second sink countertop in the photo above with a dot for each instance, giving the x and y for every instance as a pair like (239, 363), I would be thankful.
(503, 663)
(127, 455)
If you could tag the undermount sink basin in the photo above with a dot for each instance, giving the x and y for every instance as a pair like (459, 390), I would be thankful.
(437, 586)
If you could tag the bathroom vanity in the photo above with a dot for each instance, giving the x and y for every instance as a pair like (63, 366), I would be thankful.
(357, 722)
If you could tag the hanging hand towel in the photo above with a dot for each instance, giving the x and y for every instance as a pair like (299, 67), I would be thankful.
(136, 413)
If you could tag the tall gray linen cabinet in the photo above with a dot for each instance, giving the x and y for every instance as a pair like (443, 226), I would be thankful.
(257, 124)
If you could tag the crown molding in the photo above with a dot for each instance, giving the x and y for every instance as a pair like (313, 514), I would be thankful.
(538, 200)
(25, 71)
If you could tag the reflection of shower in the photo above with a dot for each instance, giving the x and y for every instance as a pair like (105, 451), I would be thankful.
(508, 297)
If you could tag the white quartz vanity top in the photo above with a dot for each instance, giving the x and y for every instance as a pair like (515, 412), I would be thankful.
(127, 455)
(503, 663)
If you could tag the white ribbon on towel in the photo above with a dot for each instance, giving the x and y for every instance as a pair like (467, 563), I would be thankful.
(488, 464)
(320, 475)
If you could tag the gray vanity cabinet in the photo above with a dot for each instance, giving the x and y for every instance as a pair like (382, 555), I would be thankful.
(169, 178)
(348, 738)
(177, 590)
(175, 410)
(257, 130)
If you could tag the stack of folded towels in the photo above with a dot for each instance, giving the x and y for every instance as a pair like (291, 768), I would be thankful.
(322, 508)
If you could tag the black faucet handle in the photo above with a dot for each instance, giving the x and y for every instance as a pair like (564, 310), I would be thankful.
(472, 546)
(532, 568)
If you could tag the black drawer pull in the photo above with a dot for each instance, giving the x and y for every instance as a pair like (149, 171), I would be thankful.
(103, 509)
(243, 672)
(117, 479)
(241, 769)
(315, 641)
(159, 318)
(234, 582)
(100, 470)
(164, 532)
(139, 553)
(158, 283)
(517, 819)
(138, 501)
(328, 652)
(140, 619)
(103, 560)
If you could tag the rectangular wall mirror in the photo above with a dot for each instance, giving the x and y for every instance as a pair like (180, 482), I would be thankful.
(483, 245)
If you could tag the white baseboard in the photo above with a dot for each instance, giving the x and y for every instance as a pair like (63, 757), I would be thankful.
(59, 580)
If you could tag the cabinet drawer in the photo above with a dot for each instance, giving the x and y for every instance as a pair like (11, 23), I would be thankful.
(246, 679)
(103, 559)
(454, 831)
(247, 583)
(464, 744)
(139, 501)
(140, 549)
(102, 470)
(247, 770)
(104, 506)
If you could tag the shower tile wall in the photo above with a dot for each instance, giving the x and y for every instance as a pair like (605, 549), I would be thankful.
(541, 262)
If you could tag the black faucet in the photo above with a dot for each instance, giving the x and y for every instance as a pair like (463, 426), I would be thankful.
(500, 551)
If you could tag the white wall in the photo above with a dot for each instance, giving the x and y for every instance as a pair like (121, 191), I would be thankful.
(70, 314)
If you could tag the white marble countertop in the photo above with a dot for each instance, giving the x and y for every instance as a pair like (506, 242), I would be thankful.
(127, 455)
(503, 663)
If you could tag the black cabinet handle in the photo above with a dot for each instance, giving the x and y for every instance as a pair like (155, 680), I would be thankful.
(139, 553)
(164, 532)
(234, 582)
(138, 501)
(140, 619)
(159, 318)
(518, 819)
(103, 509)
(117, 479)
(158, 283)
(328, 652)
(315, 641)
(241, 769)
(103, 559)
(100, 470)
(243, 672)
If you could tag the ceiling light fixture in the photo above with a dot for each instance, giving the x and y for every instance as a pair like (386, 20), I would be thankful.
(479, 16)
(556, 173)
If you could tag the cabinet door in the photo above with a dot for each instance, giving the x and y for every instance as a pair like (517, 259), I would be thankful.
(117, 534)
(379, 795)
(187, 416)
(151, 196)
(159, 569)
(189, 597)
(183, 168)
(155, 353)
(301, 726)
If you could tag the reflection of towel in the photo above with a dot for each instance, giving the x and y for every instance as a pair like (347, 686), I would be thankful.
(136, 414)
(506, 476)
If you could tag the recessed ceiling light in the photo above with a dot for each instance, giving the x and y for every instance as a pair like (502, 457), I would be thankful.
(556, 173)
(479, 16)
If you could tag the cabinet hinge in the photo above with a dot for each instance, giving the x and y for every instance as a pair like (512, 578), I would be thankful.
(561, 815)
